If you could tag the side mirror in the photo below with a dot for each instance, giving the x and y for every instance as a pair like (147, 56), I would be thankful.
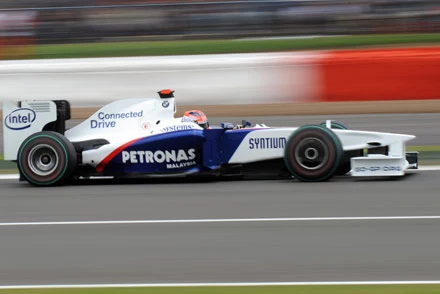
(245, 123)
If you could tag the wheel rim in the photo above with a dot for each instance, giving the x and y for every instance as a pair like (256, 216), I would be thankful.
(311, 153)
(43, 159)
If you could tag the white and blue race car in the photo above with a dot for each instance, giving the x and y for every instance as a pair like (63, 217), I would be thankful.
(142, 137)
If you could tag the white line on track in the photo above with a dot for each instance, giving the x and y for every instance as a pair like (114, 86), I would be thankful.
(429, 167)
(220, 220)
(9, 177)
(257, 284)
(421, 168)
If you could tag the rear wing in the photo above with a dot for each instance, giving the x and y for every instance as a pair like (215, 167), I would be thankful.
(24, 118)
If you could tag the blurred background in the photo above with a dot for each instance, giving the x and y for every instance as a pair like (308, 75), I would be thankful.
(67, 21)
(377, 89)
(57, 29)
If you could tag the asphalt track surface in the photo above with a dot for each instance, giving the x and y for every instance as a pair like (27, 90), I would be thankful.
(238, 251)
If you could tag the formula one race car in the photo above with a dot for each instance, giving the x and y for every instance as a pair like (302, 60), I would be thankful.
(141, 137)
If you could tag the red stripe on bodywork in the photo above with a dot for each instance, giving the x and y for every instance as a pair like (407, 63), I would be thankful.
(100, 167)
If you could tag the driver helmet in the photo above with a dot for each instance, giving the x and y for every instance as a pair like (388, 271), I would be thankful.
(196, 116)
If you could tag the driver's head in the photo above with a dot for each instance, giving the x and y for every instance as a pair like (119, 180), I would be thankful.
(196, 116)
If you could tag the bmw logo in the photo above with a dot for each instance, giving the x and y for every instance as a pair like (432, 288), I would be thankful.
(165, 104)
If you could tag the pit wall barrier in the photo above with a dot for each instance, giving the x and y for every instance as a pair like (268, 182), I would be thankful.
(317, 82)
(380, 75)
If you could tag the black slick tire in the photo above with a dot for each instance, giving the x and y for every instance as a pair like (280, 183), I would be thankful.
(346, 164)
(335, 125)
(313, 153)
(46, 159)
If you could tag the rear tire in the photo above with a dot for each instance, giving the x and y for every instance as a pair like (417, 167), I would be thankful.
(46, 159)
(313, 153)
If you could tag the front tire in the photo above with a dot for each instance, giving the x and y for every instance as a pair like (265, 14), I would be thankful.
(346, 164)
(46, 159)
(335, 125)
(313, 153)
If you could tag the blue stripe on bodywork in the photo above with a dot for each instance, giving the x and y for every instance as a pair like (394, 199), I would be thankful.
(230, 141)
(171, 142)
(213, 147)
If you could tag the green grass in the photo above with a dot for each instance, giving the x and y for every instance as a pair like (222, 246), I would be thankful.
(370, 289)
(423, 148)
(157, 48)
(7, 167)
